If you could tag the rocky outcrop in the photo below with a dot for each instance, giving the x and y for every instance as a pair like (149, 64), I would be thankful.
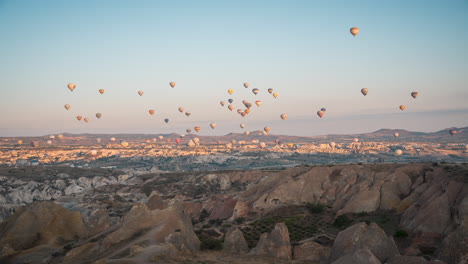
(363, 236)
(360, 256)
(454, 247)
(234, 242)
(312, 252)
(98, 221)
(276, 244)
(155, 202)
(406, 260)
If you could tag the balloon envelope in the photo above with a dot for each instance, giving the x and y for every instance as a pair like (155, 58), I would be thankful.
(270, 90)
(258, 103)
(79, 118)
(320, 113)
(284, 116)
(181, 109)
(414, 94)
(246, 133)
(213, 125)
(101, 91)
(98, 115)
(230, 107)
(188, 131)
(398, 152)
(71, 86)
(166, 120)
(222, 103)
(275, 95)
(230, 101)
(197, 128)
(255, 91)
(246, 85)
(67, 106)
(172, 84)
(402, 107)
(364, 91)
(242, 125)
(230, 91)
(354, 31)
(188, 113)
(151, 112)
(267, 129)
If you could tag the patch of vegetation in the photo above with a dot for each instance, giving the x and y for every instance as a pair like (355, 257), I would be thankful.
(362, 214)
(203, 215)
(315, 208)
(209, 243)
(342, 222)
(400, 233)
(239, 220)
(216, 222)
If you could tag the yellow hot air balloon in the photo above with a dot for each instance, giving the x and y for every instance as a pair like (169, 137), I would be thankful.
(414, 94)
(284, 116)
(364, 91)
(71, 86)
(231, 107)
(320, 113)
(172, 84)
(98, 115)
(197, 128)
(398, 152)
(101, 91)
(20, 142)
(267, 129)
(79, 118)
(402, 107)
(354, 31)
(230, 91)
(275, 95)
(247, 111)
(67, 106)
(59, 136)
(124, 144)
(258, 103)
(86, 119)
(141, 93)
(246, 85)
(270, 90)
(181, 109)
(151, 112)
(213, 125)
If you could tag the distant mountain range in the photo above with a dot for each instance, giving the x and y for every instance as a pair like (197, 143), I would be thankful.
(442, 136)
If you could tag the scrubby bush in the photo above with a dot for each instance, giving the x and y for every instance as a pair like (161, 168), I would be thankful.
(211, 244)
(239, 220)
(315, 208)
(400, 233)
(342, 222)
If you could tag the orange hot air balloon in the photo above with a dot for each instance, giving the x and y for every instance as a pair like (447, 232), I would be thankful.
(79, 118)
(181, 109)
(151, 112)
(270, 90)
(267, 129)
(247, 111)
(239, 111)
(213, 125)
(284, 116)
(98, 115)
(222, 103)
(402, 107)
(86, 119)
(230, 91)
(320, 113)
(255, 91)
(258, 103)
(275, 95)
(354, 31)
(230, 107)
(188, 113)
(246, 85)
(197, 128)
(172, 84)
(67, 106)
(71, 86)
(141, 93)
(101, 91)
(414, 94)
(364, 91)
(242, 125)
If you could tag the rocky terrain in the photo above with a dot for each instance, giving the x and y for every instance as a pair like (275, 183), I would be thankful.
(353, 213)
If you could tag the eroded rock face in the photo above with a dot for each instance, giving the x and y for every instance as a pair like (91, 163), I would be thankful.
(41, 223)
(313, 252)
(234, 242)
(155, 202)
(406, 260)
(276, 244)
(454, 247)
(98, 221)
(360, 256)
(360, 236)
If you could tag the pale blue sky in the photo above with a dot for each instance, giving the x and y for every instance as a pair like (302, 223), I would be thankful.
(301, 49)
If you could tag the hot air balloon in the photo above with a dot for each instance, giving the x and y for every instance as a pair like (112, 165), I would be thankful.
(161, 137)
(49, 142)
(59, 136)
(141, 93)
(188, 113)
(364, 91)
(213, 125)
(255, 91)
(453, 132)
(354, 31)
(277, 141)
(14, 153)
(67, 106)
(230, 101)
(398, 152)
(414, 94)
(332, 144)
(267, 129)
(86, 119)
(262, 144)
(222, 103)
(191, 143)
(177, 140)
(239, 111)
(182, 136)
(112, 139)
(246, 85)
(242, 125)
(247, 111)
(275, 95)
(230, 107)
(197, 128)
(71, 86)
(320, 113)
(258, 103)
(396, 134)
(248, 105)
(284, 116)
(323, 109)
(154, 139)
(188, 131)
(230, 91)
(264, 133)
(34, 144)
(172, 84)
(402, 107)
(101, 91)
(124, 144)
(243, 114)
(52, 137)
(98, 140)
(270, 90)
(93, 152)
(20, 142)
(98, 115)
(79, 118)
(166, 120)
(355, 139)
(246, 133)
(228, 145)
(196, 140)
(181, 109)
(151, 112)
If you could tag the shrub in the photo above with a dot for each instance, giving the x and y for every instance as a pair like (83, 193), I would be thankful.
(211, 244)
(239, 220)
(400, 233)
(315, 208)
(342, 222)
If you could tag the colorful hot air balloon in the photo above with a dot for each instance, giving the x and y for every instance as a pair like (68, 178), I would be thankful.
(151, 112)
(141, 93)
(230, 91)
(67, 106)
(364, 91)
(320, 113)
(188, 131)
(258, 103)
(188, 113)
(255, 91)
(242, 125)
(275, 95)
(414, 94)
(172, 84)
(246, 85)
(231, 107)
(213, 125)
(284, 116)
(354, 31)
(355, 139)
(453, 132)
(222, 103)
(166, 120)
(79, 118)
(86, 119)
(197, 128)
(20, 142)
(59, 136)
(246, 133)
(239, 111)
(98, 115)
(71, 86)
(402, 107)
(270, 90)
(181, 109)
(101, 91)
(267, 129)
